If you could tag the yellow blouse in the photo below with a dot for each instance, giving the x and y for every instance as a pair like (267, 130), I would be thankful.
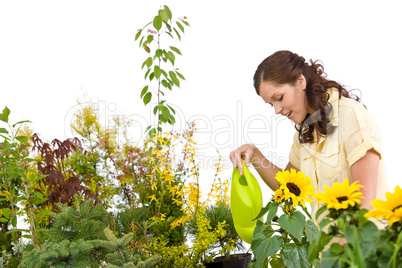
(330, 160)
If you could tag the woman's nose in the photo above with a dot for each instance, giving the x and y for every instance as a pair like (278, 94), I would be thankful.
(277, 108)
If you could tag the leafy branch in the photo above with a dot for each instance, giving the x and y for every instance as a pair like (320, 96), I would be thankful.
(160, 65)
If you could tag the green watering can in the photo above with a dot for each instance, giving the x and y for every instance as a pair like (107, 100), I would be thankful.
(245, 202)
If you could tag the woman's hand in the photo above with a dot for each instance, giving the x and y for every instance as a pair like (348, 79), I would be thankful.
(245, 151)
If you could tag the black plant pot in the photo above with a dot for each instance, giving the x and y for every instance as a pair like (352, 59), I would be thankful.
(234, 261)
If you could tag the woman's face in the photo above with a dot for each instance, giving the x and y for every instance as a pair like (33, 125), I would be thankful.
(288, 100)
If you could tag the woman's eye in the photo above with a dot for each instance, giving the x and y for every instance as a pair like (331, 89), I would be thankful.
(281, 98)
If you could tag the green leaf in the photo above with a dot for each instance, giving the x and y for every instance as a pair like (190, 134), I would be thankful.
(158, 53)
(150, 38)
(22, 122)
(333, 256)
(157, 22)
(272, 211)
(165, 112)
(3, 130)
(174, 78)
(263, 211)
(144, 90)
(170, 107)
(180, 75)
(8, 147)
(146, 74)
(318, 245)
(156, 109)
(4, 220)
(147, 62)
(320, 211)
(178, 35)
(180, 26)
(142, 39)
(171, 119)
(295, 256)
(164, 73)
(147, 49)
(4, 118)
(7, 213)
(147, 98)
(22, 139)
(293, 224)
(45, 212)
(157, 71)
(324, 222)
(276, 263)
(6, 111)
(311, 231)
(14, 221)
(185, 22)
(164, 15)
(152, 133)
(138, 34)
(166, 84)
(169, 13)
(171, 57)
(258, 228)
(264, 248)
(175, 49)
(17, 230)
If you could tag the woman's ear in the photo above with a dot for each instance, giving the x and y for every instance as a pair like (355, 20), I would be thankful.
(301, 81)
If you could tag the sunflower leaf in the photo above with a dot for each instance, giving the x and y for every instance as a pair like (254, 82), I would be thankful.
(293, 224)
(311, 231)
(295, 256)
(264, 248)
(263, 211)
(272, 211)
(318, 245)
(320, 211)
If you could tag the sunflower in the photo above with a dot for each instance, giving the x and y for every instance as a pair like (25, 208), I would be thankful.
(278, 196)
(341, 195)
(295, 186)
(390, 210)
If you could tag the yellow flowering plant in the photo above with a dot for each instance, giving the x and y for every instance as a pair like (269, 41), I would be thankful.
(347, 238)
(284, 238)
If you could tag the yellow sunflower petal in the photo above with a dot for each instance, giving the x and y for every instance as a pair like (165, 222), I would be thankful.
(390, 210)
(341, 195)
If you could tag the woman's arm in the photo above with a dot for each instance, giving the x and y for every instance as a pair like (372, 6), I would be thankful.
(264, 167)
(365, 170)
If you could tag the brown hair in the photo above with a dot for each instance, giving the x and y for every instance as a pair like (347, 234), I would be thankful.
(285, 67)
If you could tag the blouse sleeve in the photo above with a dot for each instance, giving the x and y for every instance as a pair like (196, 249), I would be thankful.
(361, 133)
(294, 155)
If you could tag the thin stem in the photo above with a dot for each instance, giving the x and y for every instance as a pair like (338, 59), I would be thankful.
(31, 213)
(159, 84)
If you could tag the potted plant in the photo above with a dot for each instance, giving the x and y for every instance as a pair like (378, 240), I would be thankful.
(217, 213)
(215, 236)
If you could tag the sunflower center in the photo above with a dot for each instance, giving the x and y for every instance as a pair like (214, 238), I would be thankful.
(293, 188)
(400, 206)
(342, 198)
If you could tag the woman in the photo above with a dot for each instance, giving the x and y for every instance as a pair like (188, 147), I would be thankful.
(336, 137)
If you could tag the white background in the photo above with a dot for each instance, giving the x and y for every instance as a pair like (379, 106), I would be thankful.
(55, 52)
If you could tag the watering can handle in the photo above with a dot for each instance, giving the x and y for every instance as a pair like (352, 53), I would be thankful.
(245, 170)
